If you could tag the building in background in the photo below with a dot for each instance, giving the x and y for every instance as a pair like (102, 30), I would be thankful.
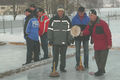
(9, 7)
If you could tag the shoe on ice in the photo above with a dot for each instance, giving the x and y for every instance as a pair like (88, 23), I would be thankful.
(44, 58)
(99, 73)
(63, 70)
(25, 64)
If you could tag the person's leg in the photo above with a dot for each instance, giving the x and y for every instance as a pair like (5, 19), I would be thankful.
(44, 43)
(63, 50)
(77, 45)
(36, 50)
(103, 59)
(97, 58)
(55, 56)
(86, 53)
(30, 44)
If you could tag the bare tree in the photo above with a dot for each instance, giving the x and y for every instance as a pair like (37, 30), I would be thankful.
(14, 11)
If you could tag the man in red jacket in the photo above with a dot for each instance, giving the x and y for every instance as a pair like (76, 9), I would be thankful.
(43, 25)
(101, 37)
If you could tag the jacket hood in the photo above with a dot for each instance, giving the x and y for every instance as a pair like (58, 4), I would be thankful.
(77, 15)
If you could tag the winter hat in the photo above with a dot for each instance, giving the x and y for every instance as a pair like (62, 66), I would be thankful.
(33, 5)
(28, 10)
(60, 9)
(40, 10)
(81, 9)
(93, 11)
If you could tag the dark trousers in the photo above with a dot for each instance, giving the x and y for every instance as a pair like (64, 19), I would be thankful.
(44, 43)
(33, 47)
(78, 52)
(59, 49)
(101, 58)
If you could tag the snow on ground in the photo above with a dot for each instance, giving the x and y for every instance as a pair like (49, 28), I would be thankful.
(20, 17)
(15, 36)
(8, 37)
(10, 17)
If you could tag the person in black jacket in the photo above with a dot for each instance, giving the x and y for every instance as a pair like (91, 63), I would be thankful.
(59, 23)
(28, 17)
(33, 8)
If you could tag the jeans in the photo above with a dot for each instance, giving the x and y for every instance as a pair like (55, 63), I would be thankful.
(32, 47)
(78, 52)
(44, 43)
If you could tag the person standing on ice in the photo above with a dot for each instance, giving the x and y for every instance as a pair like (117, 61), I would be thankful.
(58, 30)
(43, 27)
(101, 38)
(81, 19)
(31, 28)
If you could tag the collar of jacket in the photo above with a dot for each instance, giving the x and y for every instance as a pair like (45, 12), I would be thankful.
(93, 23)
(30, 16)
(59, 17)
(42, 15)
(79, 16)
(97, 20)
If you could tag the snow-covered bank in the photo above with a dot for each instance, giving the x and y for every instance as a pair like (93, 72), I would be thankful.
(7, 37)
(115, 40)
(19, 38)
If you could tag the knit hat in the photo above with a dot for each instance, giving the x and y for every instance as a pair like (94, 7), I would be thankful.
(28, 10)
(93, 11)
(60, 9)
(81, 9)
(33, 5)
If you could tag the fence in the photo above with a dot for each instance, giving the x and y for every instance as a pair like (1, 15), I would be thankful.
(10, 25)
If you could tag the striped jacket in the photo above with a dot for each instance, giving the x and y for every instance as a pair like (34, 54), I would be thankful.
(43, 24)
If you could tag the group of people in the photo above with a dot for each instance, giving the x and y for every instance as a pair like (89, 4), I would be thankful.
(36, 24)
(56, 32)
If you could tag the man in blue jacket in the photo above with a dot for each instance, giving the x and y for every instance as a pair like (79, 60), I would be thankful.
(31, 28)
(81, 19)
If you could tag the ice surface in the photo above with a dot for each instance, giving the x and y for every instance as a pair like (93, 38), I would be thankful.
(42, 73)
(13, 56)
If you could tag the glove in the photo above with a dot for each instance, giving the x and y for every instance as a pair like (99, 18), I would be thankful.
(77, 38)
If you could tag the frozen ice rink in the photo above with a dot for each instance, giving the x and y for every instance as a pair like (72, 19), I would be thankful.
(42, 73)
